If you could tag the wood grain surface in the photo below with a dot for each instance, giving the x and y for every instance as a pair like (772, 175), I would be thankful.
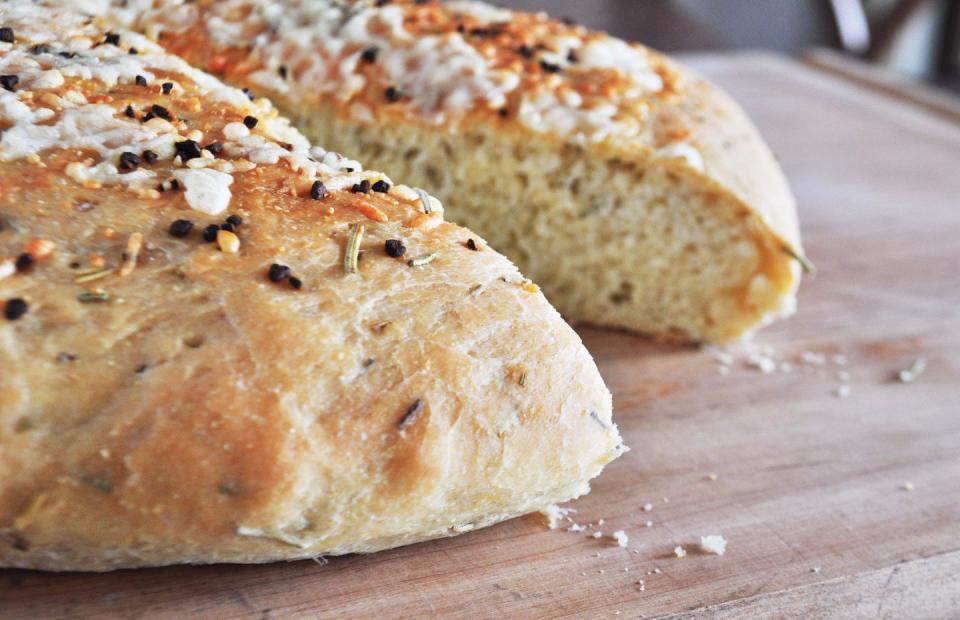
(810, 489)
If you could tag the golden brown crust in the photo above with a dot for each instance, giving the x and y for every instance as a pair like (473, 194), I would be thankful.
(164, 401)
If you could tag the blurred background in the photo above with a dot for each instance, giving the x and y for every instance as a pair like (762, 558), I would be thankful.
(917, 38)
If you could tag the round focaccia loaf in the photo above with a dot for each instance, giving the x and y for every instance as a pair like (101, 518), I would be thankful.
(203, 360)
(636, 193)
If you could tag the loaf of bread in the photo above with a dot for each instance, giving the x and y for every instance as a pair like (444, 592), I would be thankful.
(218, 344)
(636, 193)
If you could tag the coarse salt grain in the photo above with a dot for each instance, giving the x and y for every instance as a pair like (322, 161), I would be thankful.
(207, 190)
(7, 268)
(235, 131)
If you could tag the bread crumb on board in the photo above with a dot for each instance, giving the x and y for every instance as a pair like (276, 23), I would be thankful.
(621, 537)
(909, 375)
(766, 360)
(761, 362)
(680, 552)
(907, 486)
(553, 514)
(713, 543)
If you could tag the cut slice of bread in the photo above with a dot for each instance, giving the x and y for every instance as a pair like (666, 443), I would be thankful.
(636, 193)
(209, 351)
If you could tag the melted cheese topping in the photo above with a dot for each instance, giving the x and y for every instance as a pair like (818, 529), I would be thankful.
(432, 62)
(68, 77)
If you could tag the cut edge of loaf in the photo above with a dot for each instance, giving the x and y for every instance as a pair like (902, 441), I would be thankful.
(617, 239)
(665, 119)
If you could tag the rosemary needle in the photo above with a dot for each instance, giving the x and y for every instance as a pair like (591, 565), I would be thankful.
(420, 261)
(352, 253)
(805, 264)
(425, 200)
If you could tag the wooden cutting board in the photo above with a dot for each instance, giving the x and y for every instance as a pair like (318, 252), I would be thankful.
(810, 489)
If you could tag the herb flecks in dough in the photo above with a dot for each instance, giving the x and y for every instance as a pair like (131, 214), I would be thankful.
(410, 417)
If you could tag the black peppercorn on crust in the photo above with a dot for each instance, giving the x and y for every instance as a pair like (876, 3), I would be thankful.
(165, 400)
(636, 193)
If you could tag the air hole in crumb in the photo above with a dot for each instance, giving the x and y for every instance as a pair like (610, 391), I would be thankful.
(476, 140)
(623, 295)
(375, 150)
(434, 176)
